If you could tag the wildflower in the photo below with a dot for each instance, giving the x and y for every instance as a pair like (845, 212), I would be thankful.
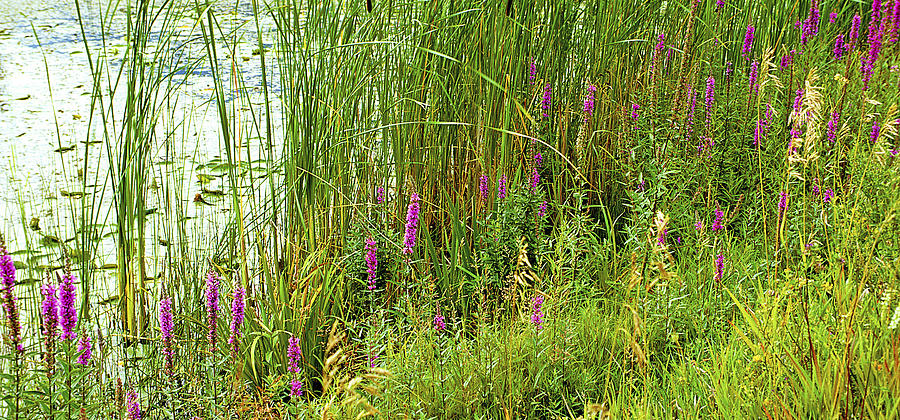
(640, 186)
(757, 132)
(379, 195)
(798, 101)
(782, 202)
(439, 324)
(787, 60)
(875, 131)
(811, 24)
(372, 359)
(8, 280)
(839, 47)
(537, 315)
(501, 187)
(717, 222)
(720, 266)
(832, 17)
(661, 238)
(538, 159)
(894, 29)
(212, 306)
(371, 261)
(84, 350)
(532, 70)
(50, 316)
(753, 77)
(729, 69)
(542, 209)
(854, 31)
(545, 101)
(827, 196)
(68, 317)
(678, 240)
(719, 4)
(535, 179)
(294, 353)
(698, 225)
(237, 318)
(484, 186)
(634, 112)
(710, 97)
(166, 326)
(412, 224)
(748, 41)
(134, 406)
(895, 319)
(589, 102)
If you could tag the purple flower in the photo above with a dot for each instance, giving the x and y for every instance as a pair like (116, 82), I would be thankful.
(589, 102)
(894, 29)
(68, 317)
(212, 306)
(827, 196)
(484, 186)
(371, 261)
(296, 388)
(294, 353)
(839, 47)
(84, 350)
(537, 315)
(439, 324)
(757, 132)
(717, 222)
(729, 69)
(720, 266)
(634, 111)
(166, 326)
(501, 187)
(811, 24)
(854, 31)
(753, 77)
(535, 179)
(782, 202)
(698, 225)
(798, 101)
(412, 224)
(538, 159)
(542, 209)
(237, 318)
(50, 316)
(656, 53)
(832, 17)
(875, 130)
(8, 280)
(748, 42)
(661, 239)
(710, 97)
(372, 359)
(719, 4)
(379, 195)
(532, 70)
(545, 101)
(134, 406)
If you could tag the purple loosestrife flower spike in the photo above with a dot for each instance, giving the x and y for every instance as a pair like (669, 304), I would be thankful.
(875, 130)
(412, 224)
(854, 31)
(720, 267)
(798, 101)
(832, 17)
(237, 318)
(68, 317)
(166, 327)
(379, 195)
(589, 102)
(371, 261)
(50, 316)
(719, 4)
(134, 406)
(782, 202)
(212, 306)
(833, 126)
(827, 195)
(537, 315)
(754, 77)
(8, 279)
(710, 97)
(634, 112)
(294, 353)
(535, 179)
(546, 101)
(84, 350)
(439, 324)
(501, 187)
(839, 47)
(748, 42)
(717, 222)
(699, 225)
(811, 24)
(542, 209)
(894, 29)
(484, 187)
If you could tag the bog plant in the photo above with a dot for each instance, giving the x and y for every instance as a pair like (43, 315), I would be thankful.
(469, 209)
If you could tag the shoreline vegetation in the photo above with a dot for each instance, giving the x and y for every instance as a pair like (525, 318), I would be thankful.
(470, 209)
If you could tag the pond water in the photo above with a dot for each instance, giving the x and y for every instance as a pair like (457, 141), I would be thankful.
(56, 162)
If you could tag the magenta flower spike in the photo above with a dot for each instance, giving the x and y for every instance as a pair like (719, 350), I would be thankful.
(237, 318)
(8, 280)
(537, 314)
(294, 354)
(483, 186)
(166, 328)
(68, 316)
(748, 42)
(371, 261)
(839, 47)
(501, 187)
(439, 324)
(212, 307)
(720, 267)
(50, 317)
(134, 406)
(84, 350)
(546, 101)
(589, 102)
(412, 224)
